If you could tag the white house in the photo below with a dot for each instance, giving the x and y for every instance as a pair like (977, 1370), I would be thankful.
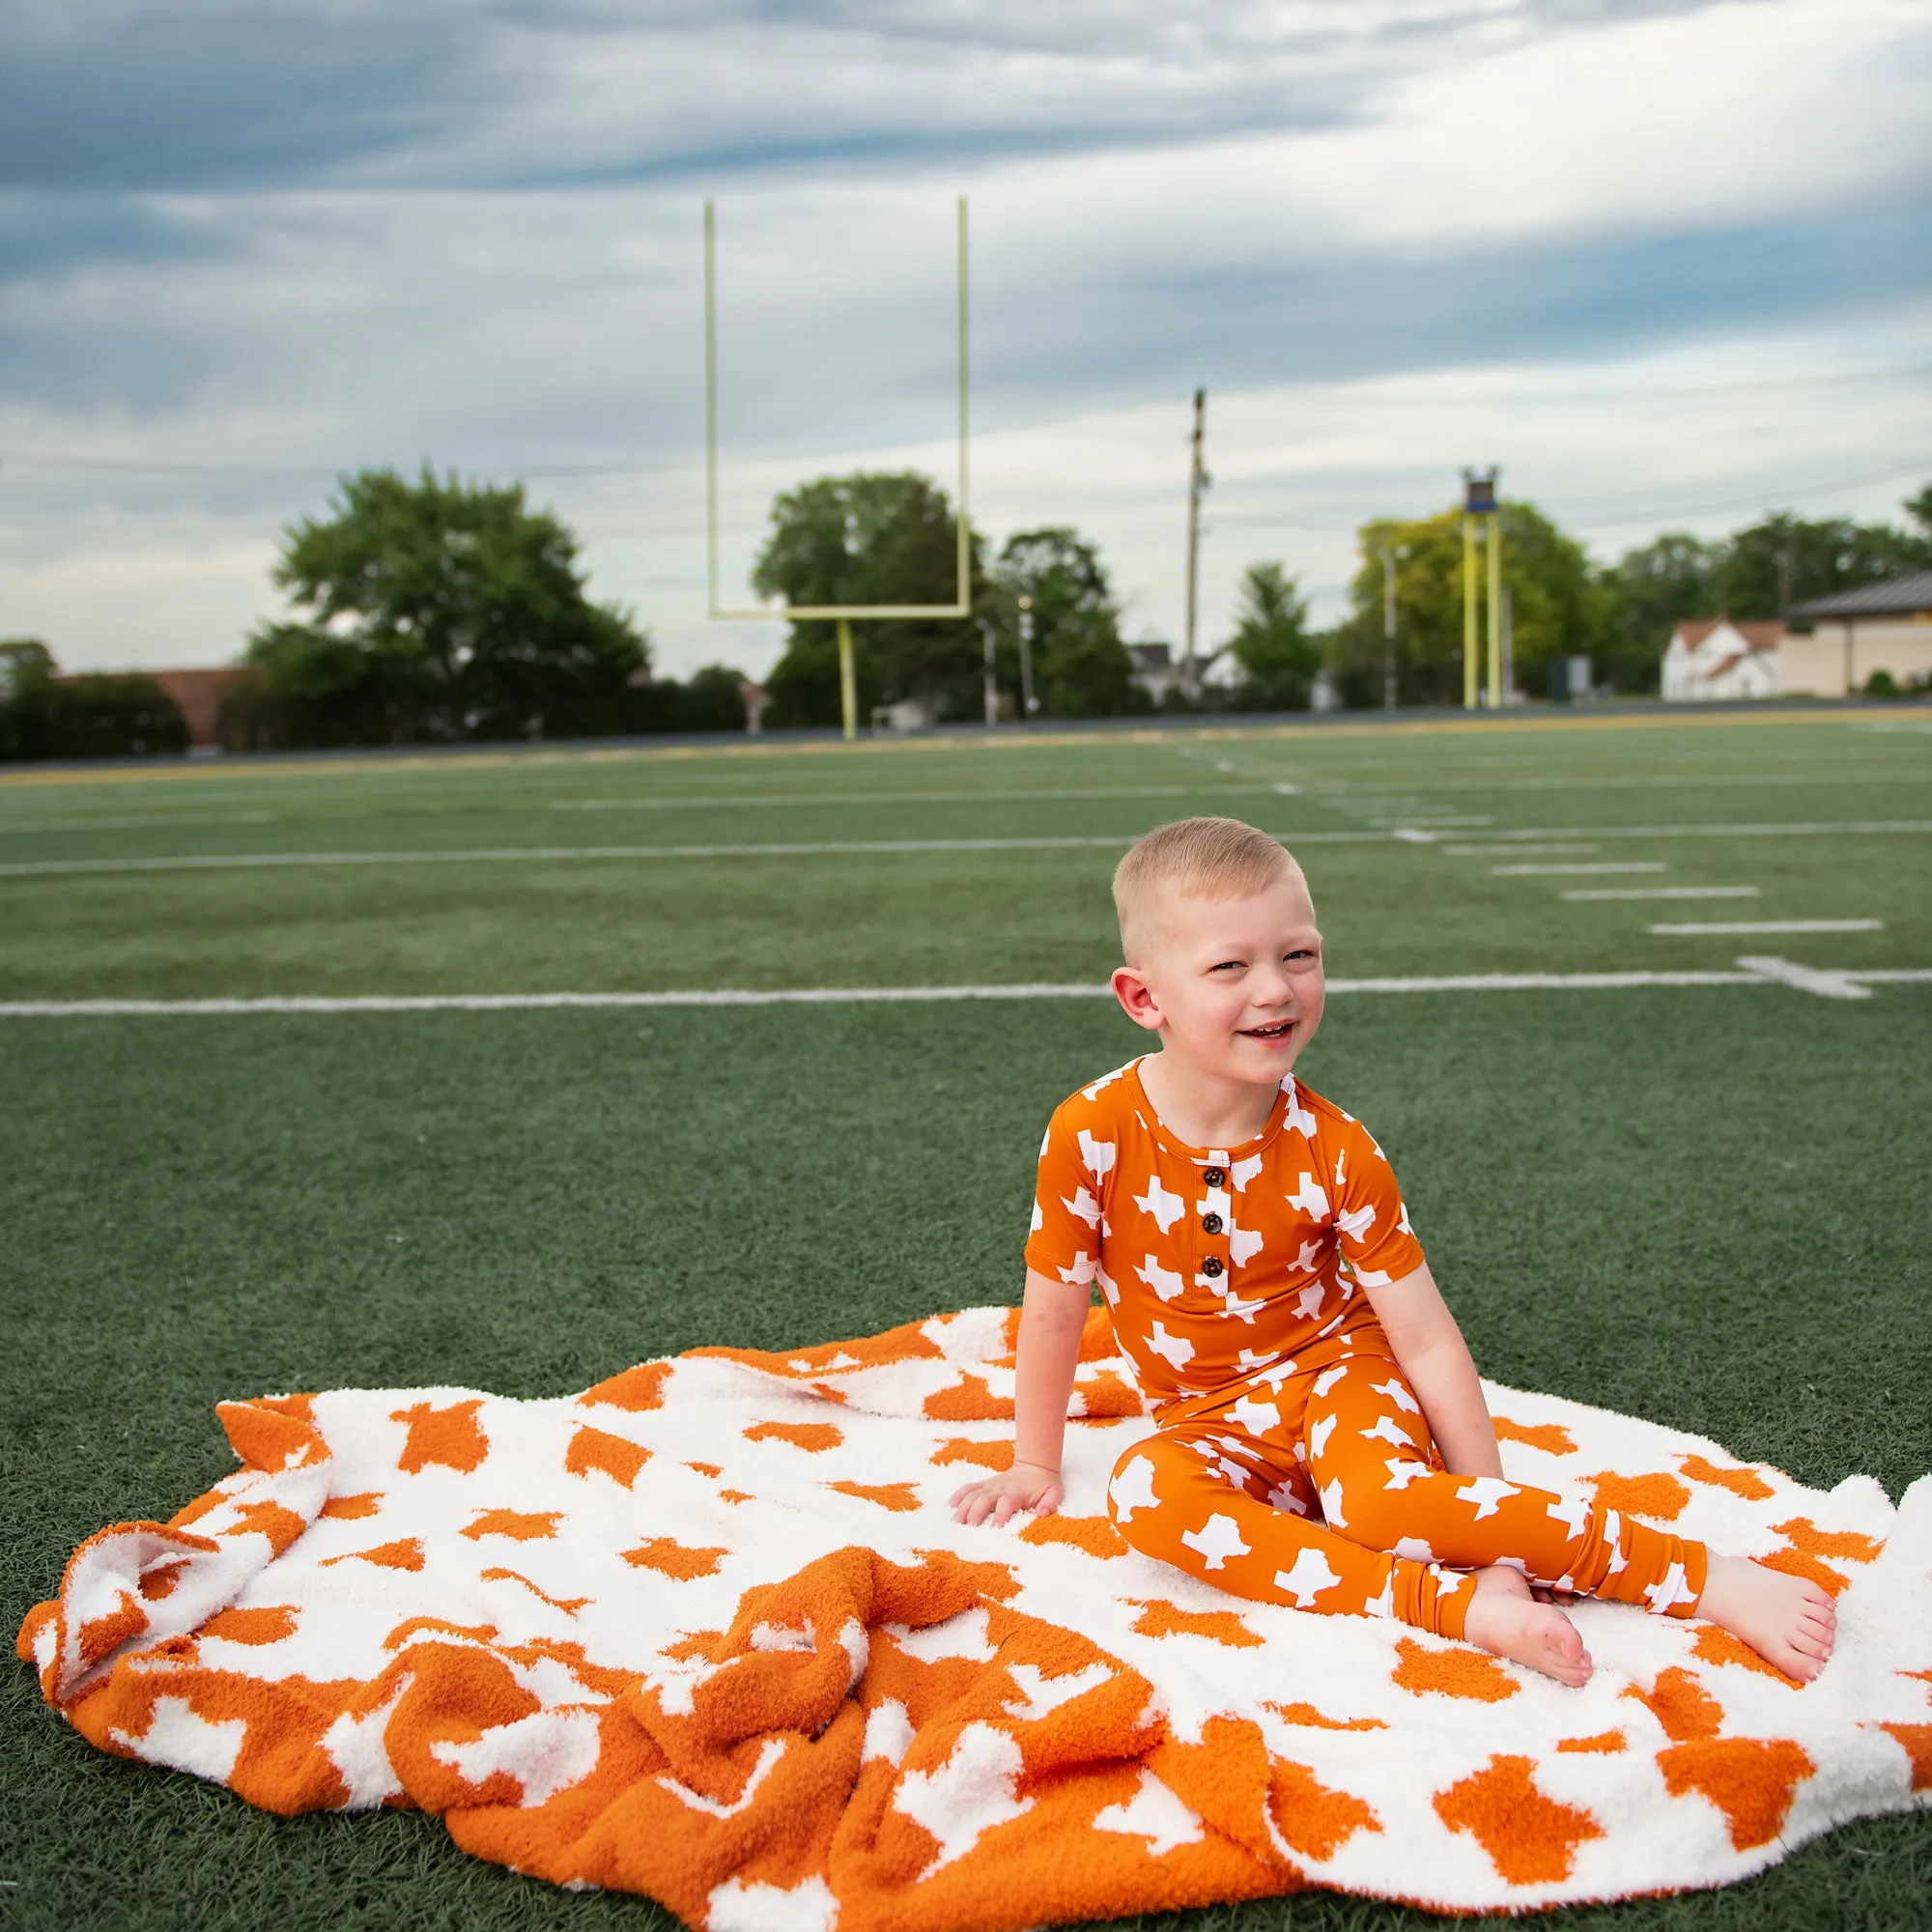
(1154, 669)
(1716, 657)
(1156, 672)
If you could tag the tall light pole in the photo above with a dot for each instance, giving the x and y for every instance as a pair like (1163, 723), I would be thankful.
(1026, 658)
(1388, 557)
(1197, 481)
(1509, 647)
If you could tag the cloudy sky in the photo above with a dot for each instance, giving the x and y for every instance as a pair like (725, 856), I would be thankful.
(1668, 262)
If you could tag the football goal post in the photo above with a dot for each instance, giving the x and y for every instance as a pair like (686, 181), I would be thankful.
(845, 615)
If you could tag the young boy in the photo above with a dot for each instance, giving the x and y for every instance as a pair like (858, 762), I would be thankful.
(1321, 1437)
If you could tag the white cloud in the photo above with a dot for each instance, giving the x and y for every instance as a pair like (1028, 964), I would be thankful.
(1523, 208)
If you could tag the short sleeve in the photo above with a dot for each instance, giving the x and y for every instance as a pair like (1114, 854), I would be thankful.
(1371, 1221)
(1065, 1244)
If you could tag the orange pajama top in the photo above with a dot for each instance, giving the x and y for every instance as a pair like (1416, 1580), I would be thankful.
(1220, 1264)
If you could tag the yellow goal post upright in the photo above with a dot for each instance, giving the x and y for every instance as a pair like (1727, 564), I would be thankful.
(1481, 514)
(843, 614)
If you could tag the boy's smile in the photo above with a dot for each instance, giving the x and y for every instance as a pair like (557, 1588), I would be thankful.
(1276, 1030)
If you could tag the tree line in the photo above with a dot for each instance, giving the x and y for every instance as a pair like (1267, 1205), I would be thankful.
(884, 539)
(432, 610)
(1619, 616)
(97, 715)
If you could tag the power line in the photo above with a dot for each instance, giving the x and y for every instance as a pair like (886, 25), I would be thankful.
(1334, 395)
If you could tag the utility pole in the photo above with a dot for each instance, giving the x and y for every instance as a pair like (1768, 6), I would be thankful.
(992, 688)
(1197, 481)
(1388, 557)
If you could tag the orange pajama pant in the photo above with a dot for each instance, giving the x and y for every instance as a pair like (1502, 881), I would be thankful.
(1321, 1488)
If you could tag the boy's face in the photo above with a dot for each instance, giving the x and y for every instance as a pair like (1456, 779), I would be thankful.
(1234, 986)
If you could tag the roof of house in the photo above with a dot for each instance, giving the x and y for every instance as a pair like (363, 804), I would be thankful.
(1760, 637)
(1151, 657)
(1897, 597)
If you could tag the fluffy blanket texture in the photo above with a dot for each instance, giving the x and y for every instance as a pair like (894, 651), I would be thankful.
(708, 1631)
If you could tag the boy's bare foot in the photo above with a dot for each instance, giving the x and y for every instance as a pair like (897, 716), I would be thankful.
(1505, 1619)
(1787, 1620)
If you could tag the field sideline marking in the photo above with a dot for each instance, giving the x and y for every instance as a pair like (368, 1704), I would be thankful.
(1757, 972)
(549, 854)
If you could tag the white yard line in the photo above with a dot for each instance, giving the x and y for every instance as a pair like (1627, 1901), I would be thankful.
(729, 800)
(1810, 828)
(159, 822)
(222, 862)
(1826, 984)
(1653, 782)
(1754, 972)
(1425, 833)
(1491, 851)
(1665, 892)
(1744, 926)
(1571, 871)
(1426, 822)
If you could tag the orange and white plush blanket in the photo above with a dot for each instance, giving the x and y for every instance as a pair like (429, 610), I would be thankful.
(708, 1631)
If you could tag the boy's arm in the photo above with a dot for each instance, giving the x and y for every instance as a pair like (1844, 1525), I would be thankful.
(1052, 1319)
(1431, 1353)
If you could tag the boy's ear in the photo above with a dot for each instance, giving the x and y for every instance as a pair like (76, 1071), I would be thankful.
(1136, 997)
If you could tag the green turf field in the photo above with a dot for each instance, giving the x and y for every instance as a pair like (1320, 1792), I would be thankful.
(1706, 1205)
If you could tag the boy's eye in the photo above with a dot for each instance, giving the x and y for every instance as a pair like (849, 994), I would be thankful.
(1226, 966)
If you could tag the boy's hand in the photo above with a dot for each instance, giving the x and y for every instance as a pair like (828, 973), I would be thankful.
(1026, 1486)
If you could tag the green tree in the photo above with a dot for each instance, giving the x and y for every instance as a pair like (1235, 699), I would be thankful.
(712, 699)
(435, 610)
(1919, 507)
(24, 663)
(1080, 665)
(1558, 605)
(97, 715)
(1673, 575)
(1278, 654)
(868, 538)
(1815, 557)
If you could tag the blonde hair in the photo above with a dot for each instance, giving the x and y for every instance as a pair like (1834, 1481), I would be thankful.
(1195, 858)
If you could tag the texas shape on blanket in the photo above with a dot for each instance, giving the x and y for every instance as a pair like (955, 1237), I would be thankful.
(708, 1631)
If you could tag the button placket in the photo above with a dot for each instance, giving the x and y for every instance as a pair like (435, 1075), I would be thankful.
(1215, 1212)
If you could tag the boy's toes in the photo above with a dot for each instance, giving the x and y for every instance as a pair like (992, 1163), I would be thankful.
(1568, 1662)
(1535, 1634)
